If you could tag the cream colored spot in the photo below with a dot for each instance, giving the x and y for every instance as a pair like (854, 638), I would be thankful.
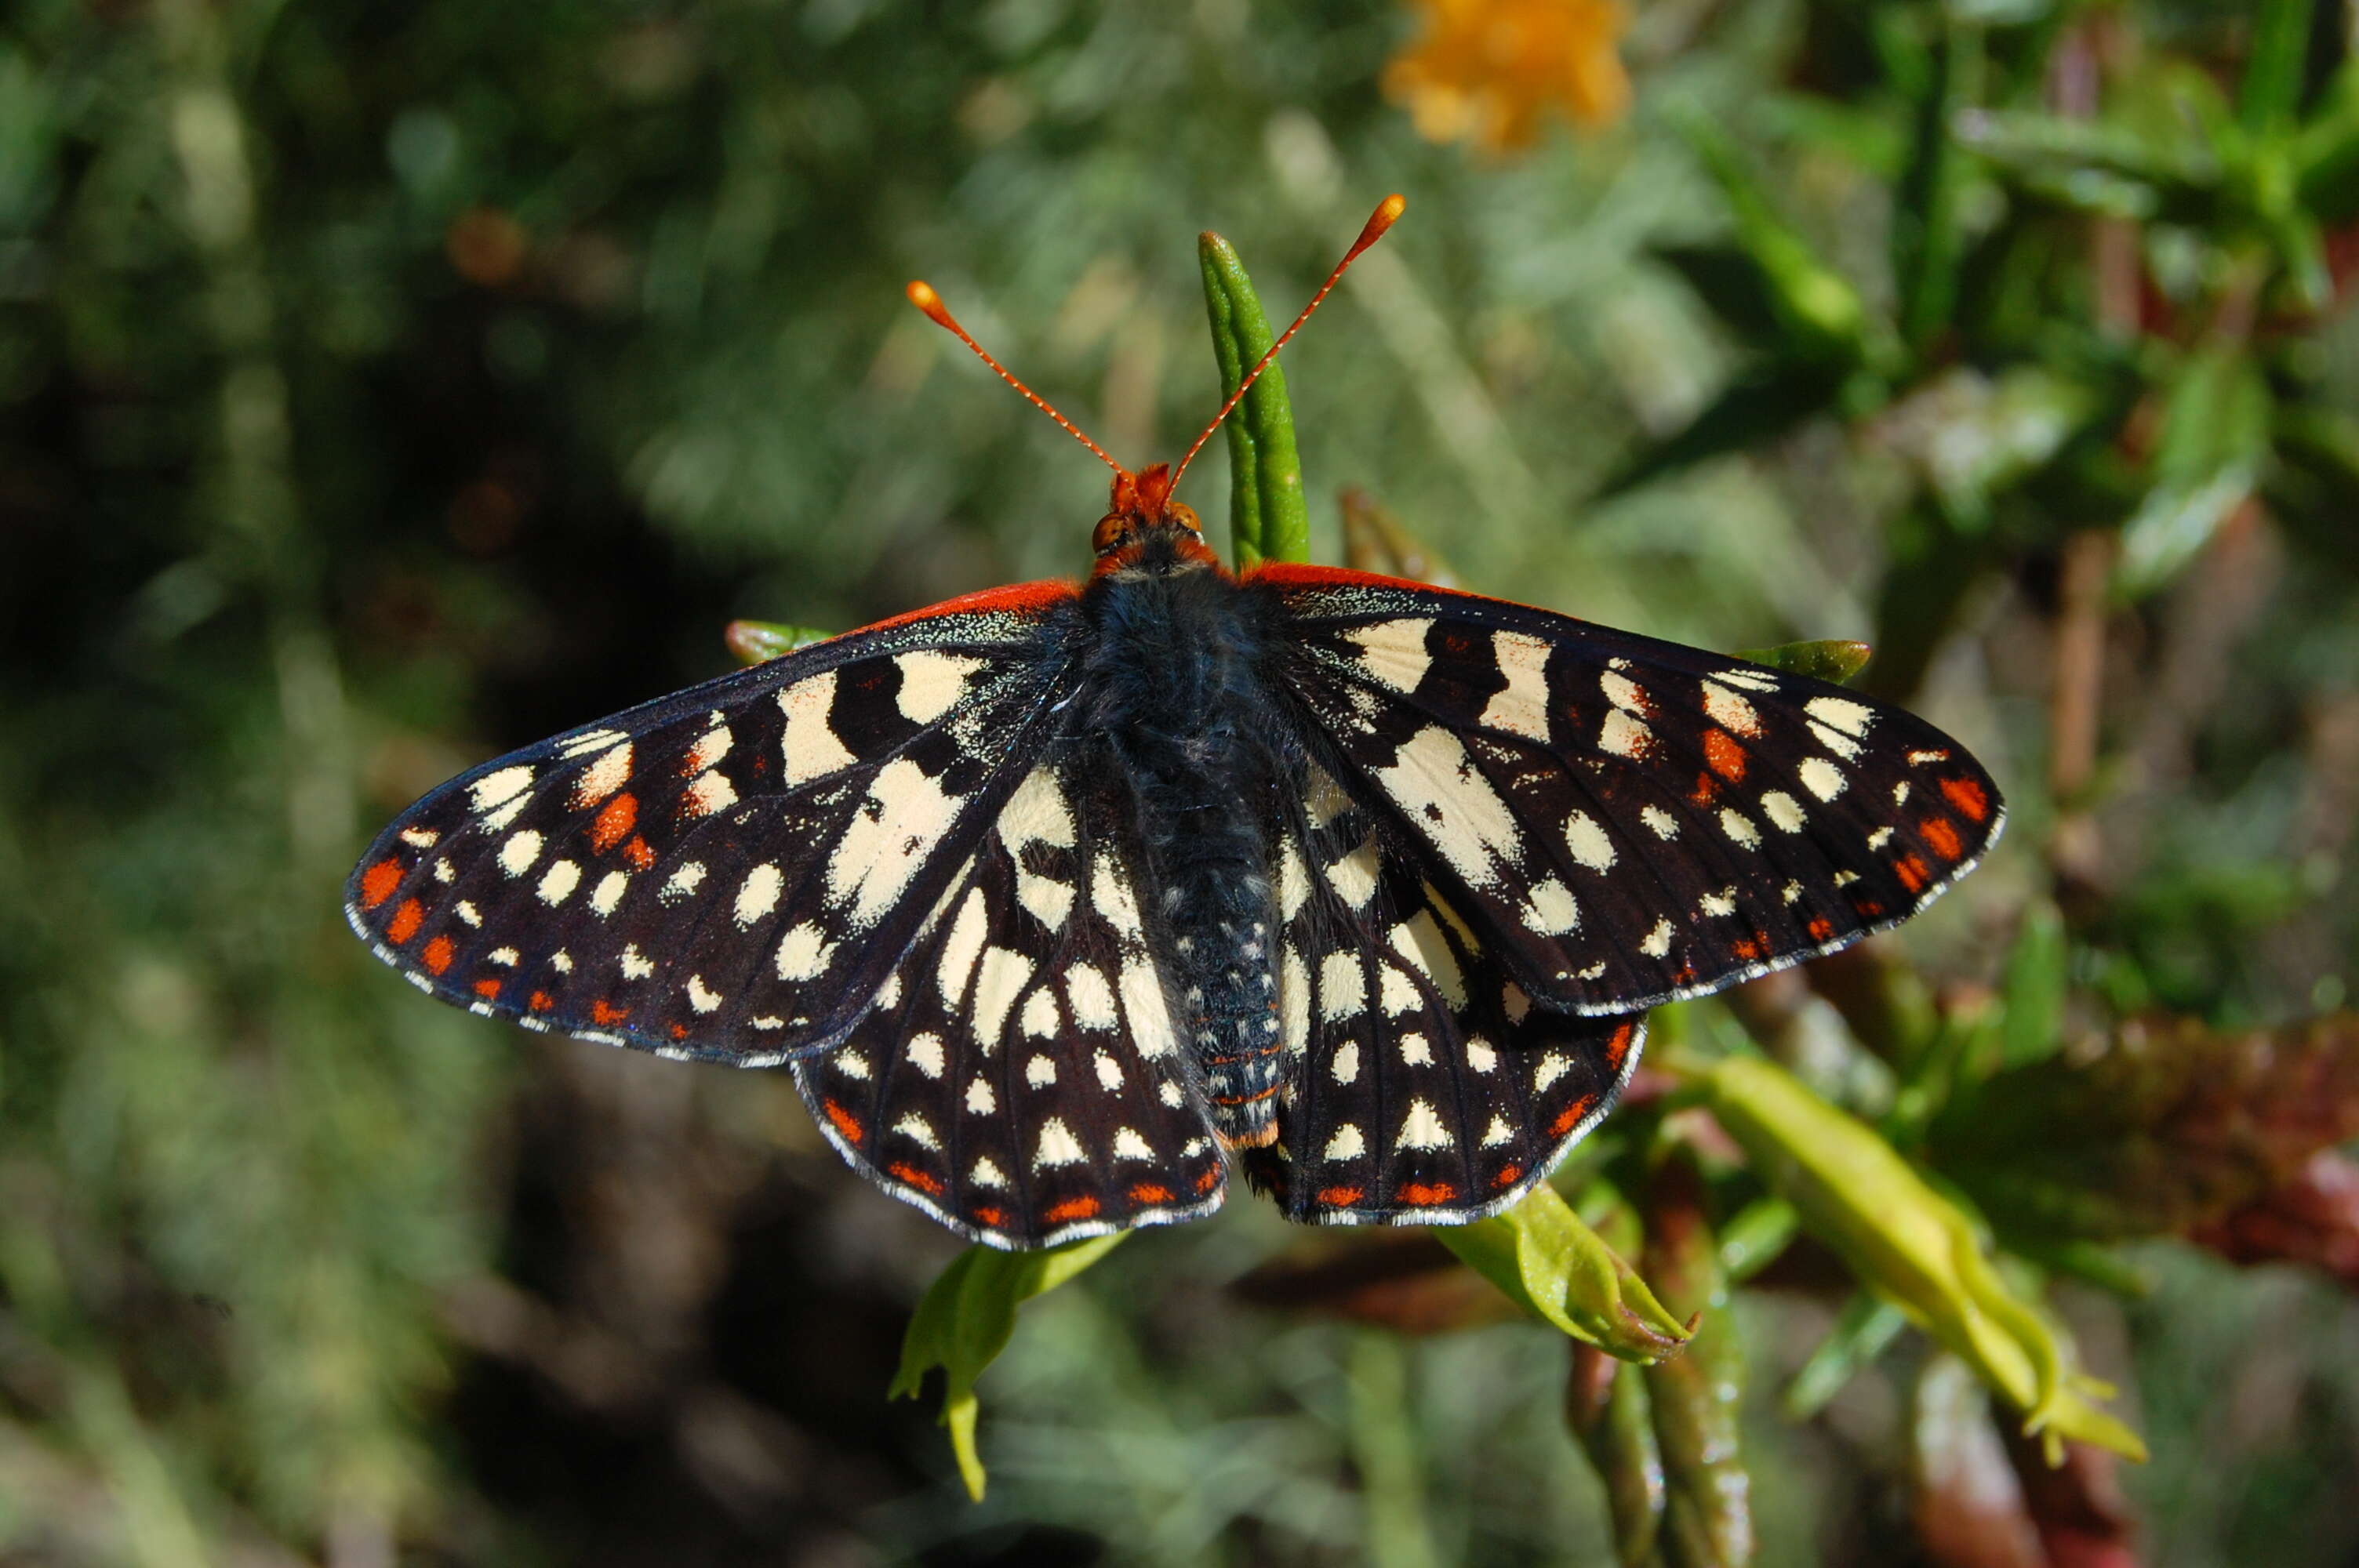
(1622, 692)
(932, 682)
(1040, 1019)
(758, 895)
(803, 952)
(1446, 799)
(468, 913)
(589, 741)
(1343, 987)
(607, 896)
(1791, 893)
(519, 853)
(708, 792)
(851, 1064)
(1721, 902)
(985, 1173)
(999, 975)
(919, 1131)
(1422, 1129)
(1479, 1054)
(700, 996)
(494, 788)
(1347, 1144)
(962, 947)
(1346, 1064)
(709, 749)
(1551, 910)
(809, 748)
(1522, 706)
(1393, 652)
(1294, 1002)
(1058, 1146)
(635, 965)
(1589, 842)
(1552, 1068)
(1739, 827)
(1150, 1014)
(1666, 825)
(926, 1054)
(1498, 1133)
(1879, 838)
(1041, 1072)
(1821, 778)
(1750, 679)
(506, 958)
(888, 995)
(1110, 893)
(1416, 1051)
(1129, 1145)
(1850, 718)
(1420, 940)
(1091, 998)
(1900, 793)
(1353, 877)
(1395, 992)
(682, 881)
(1293, 878)
(1835, 740)
(420, 838)
(1784, 811)
(1624, 736)
(1109, 1072)
(979, 1098)
(557, 882)
(1658, 944)
(1730, 711)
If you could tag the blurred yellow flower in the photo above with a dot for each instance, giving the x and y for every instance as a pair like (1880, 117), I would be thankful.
(1488, 68)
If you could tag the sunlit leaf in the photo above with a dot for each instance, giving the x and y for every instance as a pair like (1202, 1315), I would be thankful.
(1558, 1268)
(966, 1320)
(1268, 519)
(1832, 659)
(758, 642)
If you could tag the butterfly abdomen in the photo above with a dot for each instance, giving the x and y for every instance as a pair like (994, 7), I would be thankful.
(1179, 707)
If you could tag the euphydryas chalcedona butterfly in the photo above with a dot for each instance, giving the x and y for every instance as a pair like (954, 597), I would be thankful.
(1053, 897)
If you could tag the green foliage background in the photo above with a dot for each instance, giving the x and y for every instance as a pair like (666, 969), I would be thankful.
(381, 387)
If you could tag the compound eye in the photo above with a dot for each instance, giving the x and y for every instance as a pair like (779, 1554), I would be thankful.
(1112, 529)
(1184, 515)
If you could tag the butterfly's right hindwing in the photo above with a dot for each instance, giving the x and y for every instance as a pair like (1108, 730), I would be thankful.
(730, 872)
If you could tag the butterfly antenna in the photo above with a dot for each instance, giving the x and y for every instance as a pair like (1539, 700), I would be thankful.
(1388, 210)
(923, 296)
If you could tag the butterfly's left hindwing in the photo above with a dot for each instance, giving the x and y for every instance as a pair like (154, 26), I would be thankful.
(730, 872)
(1021, 1078)
(1423, 1086)
(1628, 821)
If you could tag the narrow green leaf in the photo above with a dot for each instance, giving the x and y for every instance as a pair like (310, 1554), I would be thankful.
(1695, 1399)
(1822, 315)
(1554, 1266)
(1832, 660)
(2271, 93)
(2034, 989)
(1268, 519)
(1909, 1244)
(760, 642)
(2214, 441)
(2326, 153)
(1867, 1327)
(1755, 1236)
(965, 1321)
(1605, 1405)
(1929, 239)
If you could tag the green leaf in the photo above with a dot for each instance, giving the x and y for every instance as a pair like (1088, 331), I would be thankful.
(1820, 314)
(1755, 1236)
(1865, 1329)
(1695, 1399)
(2326, 153)
(1908, 1243)
(2214, 441)
(1605, 1405)
(1555, 1267)
(2034, 989)
(1268, 519)
(1831, 659)
(1928, 238)
(2271, 93)
(760, 642)
(965, 1321)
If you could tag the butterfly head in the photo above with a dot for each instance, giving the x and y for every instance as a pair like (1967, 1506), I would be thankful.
(1142, 503)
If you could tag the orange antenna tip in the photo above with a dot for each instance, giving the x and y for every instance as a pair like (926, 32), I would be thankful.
(1387, 214)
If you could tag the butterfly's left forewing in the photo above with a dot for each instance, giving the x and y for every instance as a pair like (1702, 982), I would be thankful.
(1628, 821)
(730, 872)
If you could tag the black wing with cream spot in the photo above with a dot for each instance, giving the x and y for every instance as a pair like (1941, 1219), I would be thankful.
(1423, 1088)
(1019, 1077)
(728, 873)
(1629, 820)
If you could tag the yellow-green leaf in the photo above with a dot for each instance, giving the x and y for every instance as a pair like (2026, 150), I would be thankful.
(1555, 1267)
(760, 642)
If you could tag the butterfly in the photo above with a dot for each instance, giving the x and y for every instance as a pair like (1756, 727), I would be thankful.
(1057, 898)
